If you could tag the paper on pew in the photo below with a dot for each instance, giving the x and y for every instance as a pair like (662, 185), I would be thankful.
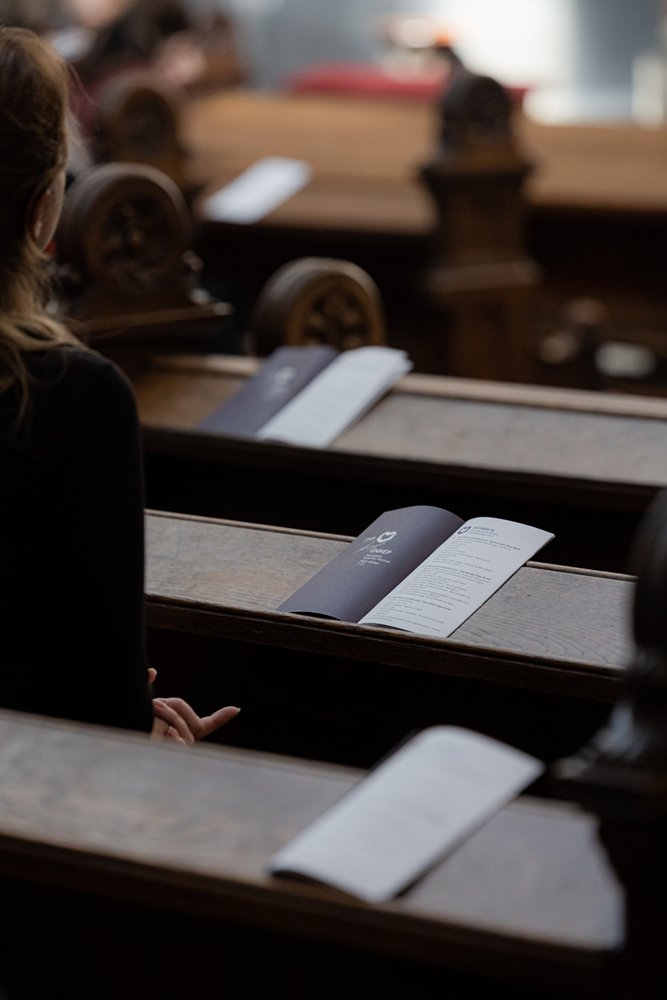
(337, 397)
(258, 190)
(419, 804)
(459, 577)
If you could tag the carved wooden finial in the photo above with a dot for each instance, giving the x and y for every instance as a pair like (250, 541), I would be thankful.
(475, 111)
(480, 273)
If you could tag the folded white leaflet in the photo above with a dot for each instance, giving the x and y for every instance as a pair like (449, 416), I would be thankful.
(401, 819)
(257, 191)
(337, 397)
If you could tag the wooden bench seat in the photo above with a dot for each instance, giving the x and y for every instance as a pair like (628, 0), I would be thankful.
(584, 465)
(553, 640)
(549, 627)
(130, 836)
(365, 155)
(595, 213)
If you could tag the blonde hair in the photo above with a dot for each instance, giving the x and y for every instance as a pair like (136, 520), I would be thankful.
(33, 151)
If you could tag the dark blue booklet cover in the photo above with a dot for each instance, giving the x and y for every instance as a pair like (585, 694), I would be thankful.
(373, 564)
(282, 376)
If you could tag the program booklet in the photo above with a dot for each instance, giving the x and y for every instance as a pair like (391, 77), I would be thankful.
(282, 377)
(410, 811)
(307, 396)
(419, 569)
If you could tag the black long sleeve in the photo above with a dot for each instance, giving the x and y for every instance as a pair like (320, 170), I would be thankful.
(71, 547)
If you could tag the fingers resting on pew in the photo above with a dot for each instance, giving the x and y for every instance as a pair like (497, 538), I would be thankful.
(174, 719)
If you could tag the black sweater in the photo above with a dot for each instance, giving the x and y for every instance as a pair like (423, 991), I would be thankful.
(72, 546)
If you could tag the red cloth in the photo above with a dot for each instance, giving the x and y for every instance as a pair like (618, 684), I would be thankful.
(369, 80)
(360, 80)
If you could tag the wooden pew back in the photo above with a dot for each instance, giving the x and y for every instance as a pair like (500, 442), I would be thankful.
(137, 867)
(583, 465)
(536, 666)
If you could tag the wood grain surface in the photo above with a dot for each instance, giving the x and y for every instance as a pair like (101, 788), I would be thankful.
(123, 817)
(558, 630)
(521, 435)
(365, 156)
(445, 386)
(517, 438)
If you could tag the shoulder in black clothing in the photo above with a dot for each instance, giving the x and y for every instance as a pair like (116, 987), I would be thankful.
(58, 378)
(71, 527)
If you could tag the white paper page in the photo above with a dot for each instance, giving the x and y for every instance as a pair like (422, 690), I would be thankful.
(337, 397)
(458, 577)
(258, 190)
(416, 806)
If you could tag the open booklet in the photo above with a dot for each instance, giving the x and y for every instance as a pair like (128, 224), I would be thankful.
(421, 569)
(407, 813)
(309, 395)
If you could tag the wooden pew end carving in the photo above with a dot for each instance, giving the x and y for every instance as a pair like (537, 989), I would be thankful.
(125, 252)
(317, 300)
(480, 274)
(137, 120)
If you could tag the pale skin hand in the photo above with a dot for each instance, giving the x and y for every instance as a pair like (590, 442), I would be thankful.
(174, 719)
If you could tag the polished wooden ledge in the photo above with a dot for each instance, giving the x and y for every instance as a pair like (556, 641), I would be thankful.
(554, 629)
(365, 155)
(530, 896)
(554, 445)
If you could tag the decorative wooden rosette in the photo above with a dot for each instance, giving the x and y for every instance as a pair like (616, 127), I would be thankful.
(318, 300)
(125, 226)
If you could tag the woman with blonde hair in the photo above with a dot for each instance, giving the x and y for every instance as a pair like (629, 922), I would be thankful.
(71, 503)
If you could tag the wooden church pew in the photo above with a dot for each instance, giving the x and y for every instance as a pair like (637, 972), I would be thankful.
(138, 869)
(596, 212)
(537, 666)
(131, 868)
(125, 865)
(365, 155)
(584, 465)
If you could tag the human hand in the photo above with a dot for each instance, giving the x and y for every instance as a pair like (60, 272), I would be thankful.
(174, 719)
